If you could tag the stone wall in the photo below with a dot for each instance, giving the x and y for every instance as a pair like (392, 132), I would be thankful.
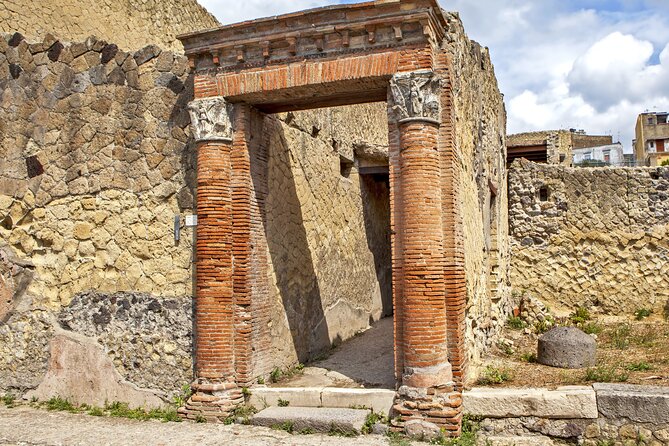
(480, 136)
(558, 143)
(97, 161)
(131, 24)
(602, 414)
(327, 231)
(591, 237)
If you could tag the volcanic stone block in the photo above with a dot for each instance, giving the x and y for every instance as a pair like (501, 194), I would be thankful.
(641, 404)
(316, 419)
(567, 348)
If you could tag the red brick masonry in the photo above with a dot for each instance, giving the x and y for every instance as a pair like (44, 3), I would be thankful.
(324, 57)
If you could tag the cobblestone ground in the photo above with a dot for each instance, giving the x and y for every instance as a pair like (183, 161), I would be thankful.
(24, 426)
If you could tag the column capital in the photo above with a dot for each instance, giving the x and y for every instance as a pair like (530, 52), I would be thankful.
(211, 119)
(415, 96)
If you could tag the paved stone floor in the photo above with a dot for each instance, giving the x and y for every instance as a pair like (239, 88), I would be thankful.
(365, 360)
(25, 426)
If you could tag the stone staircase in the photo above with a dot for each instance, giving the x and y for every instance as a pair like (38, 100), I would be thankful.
(318, 409)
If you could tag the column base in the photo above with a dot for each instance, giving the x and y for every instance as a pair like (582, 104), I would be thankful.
(428, 412)
(212, 402)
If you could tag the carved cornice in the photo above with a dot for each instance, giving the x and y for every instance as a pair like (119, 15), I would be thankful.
(416, 96)
(322, 32)
(211, 119)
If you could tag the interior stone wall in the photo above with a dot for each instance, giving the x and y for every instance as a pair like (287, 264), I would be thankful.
(480, 131)
(595, 237)
(131, 24)
(327, 232)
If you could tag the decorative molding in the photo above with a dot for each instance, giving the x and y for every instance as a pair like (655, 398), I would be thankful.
(416, 96)
(211, 119)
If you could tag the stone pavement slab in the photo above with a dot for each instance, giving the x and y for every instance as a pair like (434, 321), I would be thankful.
(564, 402)
(642, 404)
(315, 419)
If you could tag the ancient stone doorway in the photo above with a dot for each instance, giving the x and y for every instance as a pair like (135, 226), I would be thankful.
(374, 51)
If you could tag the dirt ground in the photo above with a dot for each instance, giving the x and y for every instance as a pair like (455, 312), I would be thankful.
(26, 426)
(363, 361)
(628, 351)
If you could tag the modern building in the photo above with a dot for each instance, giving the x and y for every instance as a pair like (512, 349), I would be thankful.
(610, 154)
(552, 146)
(651, 143)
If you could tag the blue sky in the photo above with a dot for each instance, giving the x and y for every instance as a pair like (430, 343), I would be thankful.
(589, 64)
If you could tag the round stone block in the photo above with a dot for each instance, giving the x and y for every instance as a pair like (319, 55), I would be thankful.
(567, 348)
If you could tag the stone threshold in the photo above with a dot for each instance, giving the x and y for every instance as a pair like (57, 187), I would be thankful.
(640, 404)
(378, 400)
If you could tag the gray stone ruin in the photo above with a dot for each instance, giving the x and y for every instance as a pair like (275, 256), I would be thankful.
(567, 348)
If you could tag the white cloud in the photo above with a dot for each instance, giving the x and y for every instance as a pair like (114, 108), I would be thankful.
(232, 11)
(560, 65)
(576, 68)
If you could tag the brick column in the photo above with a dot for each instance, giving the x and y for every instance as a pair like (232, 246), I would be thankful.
(215, 391)
(426, 394)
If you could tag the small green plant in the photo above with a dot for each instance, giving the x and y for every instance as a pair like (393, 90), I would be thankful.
(591, 328)
(470, 428)
(122, 410)
(620, 337)
(505, 347)
(492, 375)
(397, 439)
(665, 162)
(287, 426)
(275, 375)
(261, 380)
(60, 404)
(606, 443)
(541, 327)
(639, 367)
(372, 419)
(283, 403)
(605, 374)
(306, 431)
(529, 357)
(515, 323)
(246, 392)
(200, 419)
(642, 313)
(96, 412)
(580, 316)
(180, 399)
(9, 400)
(336, 431)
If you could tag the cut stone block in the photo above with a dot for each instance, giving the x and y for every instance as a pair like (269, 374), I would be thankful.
(379, 400)
(316, 419)
(562, 403)
(262, 397)
(641, 404)
(567, 348)
(538, 440)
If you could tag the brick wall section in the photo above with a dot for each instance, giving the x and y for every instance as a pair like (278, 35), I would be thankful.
(424, 319)
(214, 355)
(454, 271)
(396, 224)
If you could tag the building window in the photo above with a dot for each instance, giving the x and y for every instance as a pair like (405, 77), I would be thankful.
(587, 156)
(543, 193)
(650, 120)
(607, 156)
